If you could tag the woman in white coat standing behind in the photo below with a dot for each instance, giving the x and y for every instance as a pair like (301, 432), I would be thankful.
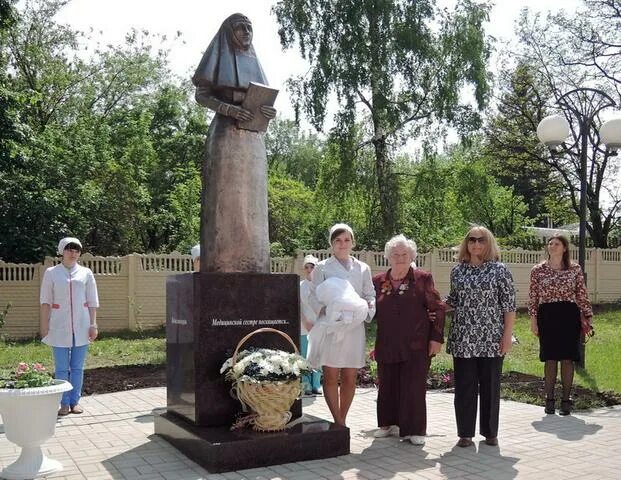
(342, 357)
(69, 304)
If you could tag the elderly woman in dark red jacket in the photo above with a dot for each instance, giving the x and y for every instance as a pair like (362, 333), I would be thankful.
(406, 341)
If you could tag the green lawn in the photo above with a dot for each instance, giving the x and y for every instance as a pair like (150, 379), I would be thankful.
(124, 348)
(602, 372)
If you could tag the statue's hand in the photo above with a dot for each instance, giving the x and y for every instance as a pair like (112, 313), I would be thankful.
(267, 111)
(241, 114)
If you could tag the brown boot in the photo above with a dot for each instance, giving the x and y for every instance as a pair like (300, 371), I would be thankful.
(465, 442)
(64, 410)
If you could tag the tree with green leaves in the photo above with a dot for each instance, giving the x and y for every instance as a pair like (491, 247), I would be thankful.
(291, 213)
(11, 129)
(429, 204)
(445, 194)
(513, 153)
(293, 152)
(593, 37)
(9, 103)
(482, 201)
(346, 191)
(113, 149)
(396, 64)
(548, 46)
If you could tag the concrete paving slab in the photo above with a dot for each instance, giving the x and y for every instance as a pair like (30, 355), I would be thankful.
(114, 440)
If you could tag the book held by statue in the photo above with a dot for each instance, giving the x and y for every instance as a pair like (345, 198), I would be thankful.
(257, 95)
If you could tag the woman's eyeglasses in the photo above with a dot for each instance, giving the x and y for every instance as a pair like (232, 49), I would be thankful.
(309, 266)
(480, 240)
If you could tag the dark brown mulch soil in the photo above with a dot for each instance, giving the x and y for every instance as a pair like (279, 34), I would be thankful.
(117, 379)
(530, 387)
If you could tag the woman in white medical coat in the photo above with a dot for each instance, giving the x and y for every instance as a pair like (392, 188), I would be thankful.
(342, 356)
(68, 319)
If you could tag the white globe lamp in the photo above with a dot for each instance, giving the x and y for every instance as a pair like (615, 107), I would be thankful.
(610, 133)
(553, 130)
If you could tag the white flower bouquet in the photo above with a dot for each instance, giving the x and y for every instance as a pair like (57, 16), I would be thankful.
(265, 365)
(265, 381)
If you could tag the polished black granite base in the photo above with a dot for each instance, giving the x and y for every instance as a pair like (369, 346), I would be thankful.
(207, 314)
(218, 449)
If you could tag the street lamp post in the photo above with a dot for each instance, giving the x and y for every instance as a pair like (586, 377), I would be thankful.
(584, 104)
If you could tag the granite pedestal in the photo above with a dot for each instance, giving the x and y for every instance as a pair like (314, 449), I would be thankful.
(207, 315)
(218, 449)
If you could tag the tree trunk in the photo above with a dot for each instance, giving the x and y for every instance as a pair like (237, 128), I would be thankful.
(386, 188)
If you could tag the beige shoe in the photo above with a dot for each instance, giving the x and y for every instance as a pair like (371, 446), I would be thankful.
(77, 409)
(417, 440)
(386, 432)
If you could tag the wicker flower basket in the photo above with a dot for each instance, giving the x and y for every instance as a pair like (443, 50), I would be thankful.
(270, 402)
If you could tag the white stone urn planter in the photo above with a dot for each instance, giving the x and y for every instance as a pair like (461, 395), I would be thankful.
(29, 417)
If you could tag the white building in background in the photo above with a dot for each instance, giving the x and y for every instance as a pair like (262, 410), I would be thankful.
(543, 233)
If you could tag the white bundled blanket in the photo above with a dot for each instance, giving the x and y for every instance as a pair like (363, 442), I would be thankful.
(345, 310)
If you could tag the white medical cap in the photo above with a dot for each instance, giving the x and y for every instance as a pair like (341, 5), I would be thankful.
(310, 259)
(340, 226)
(66, 241)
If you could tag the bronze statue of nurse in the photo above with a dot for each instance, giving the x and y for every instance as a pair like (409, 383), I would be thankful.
(234, 223)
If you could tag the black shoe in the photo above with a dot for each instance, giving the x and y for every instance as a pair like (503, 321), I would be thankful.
(565, 407)
(550, 410)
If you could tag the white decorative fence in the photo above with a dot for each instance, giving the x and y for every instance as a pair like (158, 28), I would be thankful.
(132, 288)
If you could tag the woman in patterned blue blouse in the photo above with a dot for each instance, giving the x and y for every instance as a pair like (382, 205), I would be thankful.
(483, 297)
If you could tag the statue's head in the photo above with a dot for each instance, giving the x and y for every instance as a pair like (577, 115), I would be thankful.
(240, 31)
(219, 65)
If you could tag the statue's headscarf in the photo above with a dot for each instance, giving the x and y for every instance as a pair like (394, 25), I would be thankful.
(219, 65)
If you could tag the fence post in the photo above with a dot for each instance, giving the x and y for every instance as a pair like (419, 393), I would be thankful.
(298, 263)
(364, 257)
(131, 262)
(47, 263)
(42, 268)
(433, 261)
(596, 259)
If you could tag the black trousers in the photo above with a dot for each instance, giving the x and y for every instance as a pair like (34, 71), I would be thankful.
(477, 377)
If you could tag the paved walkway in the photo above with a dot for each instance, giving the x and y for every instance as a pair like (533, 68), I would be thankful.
(114, 439)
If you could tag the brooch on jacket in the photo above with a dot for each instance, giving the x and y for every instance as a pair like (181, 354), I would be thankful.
(386, 288)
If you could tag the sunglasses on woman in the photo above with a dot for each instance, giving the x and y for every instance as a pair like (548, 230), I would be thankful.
(480, 240)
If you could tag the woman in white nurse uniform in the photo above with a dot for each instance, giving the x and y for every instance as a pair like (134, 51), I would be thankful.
(338, 354)
(68, 319)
